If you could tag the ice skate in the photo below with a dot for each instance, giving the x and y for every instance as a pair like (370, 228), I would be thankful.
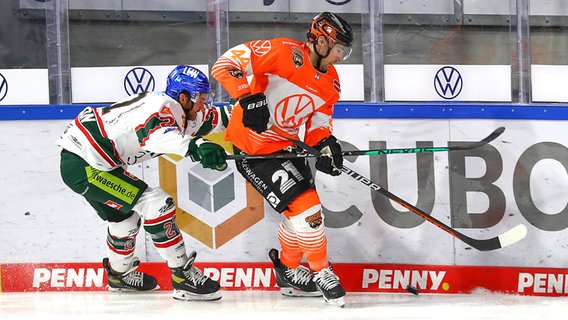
(131, 280)
(190, 284)
(328, 283)
(293, 282)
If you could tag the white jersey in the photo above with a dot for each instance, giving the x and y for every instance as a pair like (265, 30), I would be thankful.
(136, 129)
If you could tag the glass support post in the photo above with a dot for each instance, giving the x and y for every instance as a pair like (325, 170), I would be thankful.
(372, 13)
(58, 63)
(521, 59)
(218, 30)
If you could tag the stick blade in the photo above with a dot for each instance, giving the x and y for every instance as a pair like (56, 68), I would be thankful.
(472, 145)
(513, 236)
(508, 238)
(493, 135)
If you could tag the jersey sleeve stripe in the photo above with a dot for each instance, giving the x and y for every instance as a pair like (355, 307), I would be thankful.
(95, 144)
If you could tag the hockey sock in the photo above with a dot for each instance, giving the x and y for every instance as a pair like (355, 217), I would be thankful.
(314, 246)
(291, 255)
(306, 221)
(167, 239)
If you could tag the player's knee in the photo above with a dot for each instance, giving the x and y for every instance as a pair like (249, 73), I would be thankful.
(159, 210)
(304, 212)
(125, 228)
(308, 221)
(154, 203)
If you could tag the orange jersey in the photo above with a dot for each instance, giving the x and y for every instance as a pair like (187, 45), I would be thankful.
(297, 93)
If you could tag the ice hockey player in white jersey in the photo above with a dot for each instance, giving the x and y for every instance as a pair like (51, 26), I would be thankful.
(99, 145)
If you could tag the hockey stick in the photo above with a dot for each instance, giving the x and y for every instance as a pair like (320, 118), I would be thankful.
(508, 238)
(285, 155)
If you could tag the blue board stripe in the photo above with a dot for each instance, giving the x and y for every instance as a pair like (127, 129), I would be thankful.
(349, 110)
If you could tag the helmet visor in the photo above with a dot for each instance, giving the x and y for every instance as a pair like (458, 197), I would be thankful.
(210, 100)
(340, 48)
(203, 96)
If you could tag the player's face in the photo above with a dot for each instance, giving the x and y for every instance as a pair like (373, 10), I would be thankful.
(198, 106)
(336, 54)
(342, 50)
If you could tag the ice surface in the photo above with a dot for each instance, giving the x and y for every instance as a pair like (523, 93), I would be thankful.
(271, 305)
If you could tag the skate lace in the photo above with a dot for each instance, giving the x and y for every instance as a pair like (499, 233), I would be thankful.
(326, 279)
(195, 276)
(134, 279)
(299, 275)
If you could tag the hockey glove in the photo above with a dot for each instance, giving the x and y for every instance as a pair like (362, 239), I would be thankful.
(331, 160)
(210, 154)
(256, 113)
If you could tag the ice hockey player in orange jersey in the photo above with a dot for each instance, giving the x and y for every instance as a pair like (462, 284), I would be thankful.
(293, 85)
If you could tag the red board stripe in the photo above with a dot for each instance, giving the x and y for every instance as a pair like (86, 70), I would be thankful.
(27, 277)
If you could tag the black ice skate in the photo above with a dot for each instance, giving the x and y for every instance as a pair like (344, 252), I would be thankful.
(131, 280)
(190, 284)
(328, 283)
(293, 282)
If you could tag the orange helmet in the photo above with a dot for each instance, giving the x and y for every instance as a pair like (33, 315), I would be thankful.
(333, 28)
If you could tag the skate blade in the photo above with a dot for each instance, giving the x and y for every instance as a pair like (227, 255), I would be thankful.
(338, 302)
(188, 296)
(111, 289)
(293, 292)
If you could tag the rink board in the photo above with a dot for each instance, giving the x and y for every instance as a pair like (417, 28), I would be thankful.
(524, 173)
(259, 276)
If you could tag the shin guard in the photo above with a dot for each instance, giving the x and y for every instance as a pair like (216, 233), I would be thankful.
(311, 238)
(307, 222)
(159, 209)
(167, 239)
(121, 242)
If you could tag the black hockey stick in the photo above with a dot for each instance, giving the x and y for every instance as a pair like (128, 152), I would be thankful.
(508, 238)
(467, 146)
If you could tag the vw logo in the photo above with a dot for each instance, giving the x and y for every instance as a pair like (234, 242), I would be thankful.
(448, 82)
(139, 80)
(3, 87)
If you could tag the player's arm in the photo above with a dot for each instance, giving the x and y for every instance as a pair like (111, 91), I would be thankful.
(231, 71)
(169, 140)
(163, 139)
(319, 125)
(162, 134)
(319, 134)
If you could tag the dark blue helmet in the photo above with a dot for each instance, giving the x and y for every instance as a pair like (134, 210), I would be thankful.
(189, 79)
